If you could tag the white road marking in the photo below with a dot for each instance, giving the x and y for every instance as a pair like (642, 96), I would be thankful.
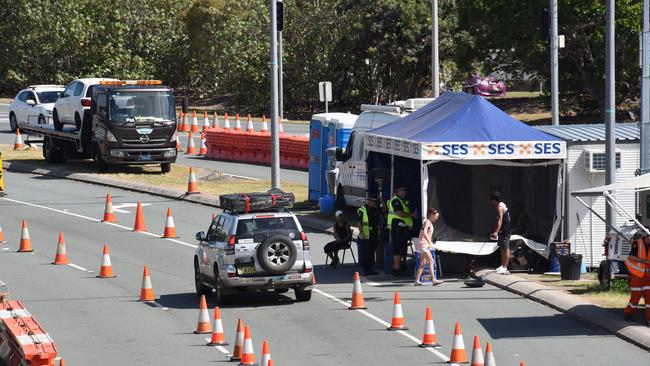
(240, 176)
(118, 208)
(156, 304)
(382, 322)
(371, 283)
(220, 348)
(79, 267)
(95, 220)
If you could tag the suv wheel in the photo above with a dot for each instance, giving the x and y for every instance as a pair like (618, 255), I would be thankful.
(201, 289)
(77, 122)
(55, 120)
(302, 295)
(277, 254)
(219, 297)
(12, 122)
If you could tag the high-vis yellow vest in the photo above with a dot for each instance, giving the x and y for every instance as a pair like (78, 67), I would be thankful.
(635, 268)
(365, 222)
(392, 215)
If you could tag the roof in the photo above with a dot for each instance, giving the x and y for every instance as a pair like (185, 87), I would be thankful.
(46, 87)
(636, 184)
(592, 132)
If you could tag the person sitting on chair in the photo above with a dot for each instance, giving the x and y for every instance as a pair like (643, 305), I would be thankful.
(342, 238)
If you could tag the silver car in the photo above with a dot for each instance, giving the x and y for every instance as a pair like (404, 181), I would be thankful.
(257, 251)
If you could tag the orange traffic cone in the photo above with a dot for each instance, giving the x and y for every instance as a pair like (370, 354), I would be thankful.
(266, 354)
(249, 125)
(429, 339)
(248, 354)
(397, 322)
(170, 229)
(25, 241)
(109, 214)
(237, 123)
(313, 278)
(139, 224)
(226, 122)
(477, 353)
(203, 326)
(178, 142)
(265, 127)
(214, 215)
(215, 121)
(192, 185)
(522, 363)
(280, 125)
(195, 123)
(146, 290)
(206, 121)
(184, 127)
(204, 149)
(61, 256)
(191, 148)
(270, 363)
(18, 142)
(458, 354)
(2, 236)
(106, 270)
(239, 342)
(61, 362)
(357, 295)
(218, 338)
(489, 356)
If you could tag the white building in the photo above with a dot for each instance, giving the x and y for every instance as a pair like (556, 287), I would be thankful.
(585, 168)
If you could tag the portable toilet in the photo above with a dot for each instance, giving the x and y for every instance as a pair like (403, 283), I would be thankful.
(325, 130)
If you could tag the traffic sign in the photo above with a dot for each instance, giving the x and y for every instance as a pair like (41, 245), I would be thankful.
(325, 91)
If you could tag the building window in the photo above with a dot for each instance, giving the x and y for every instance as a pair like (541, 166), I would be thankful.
(597, 161)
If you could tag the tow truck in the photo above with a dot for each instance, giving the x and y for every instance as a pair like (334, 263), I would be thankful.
(130, 122)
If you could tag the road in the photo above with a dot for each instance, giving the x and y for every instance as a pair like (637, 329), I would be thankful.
(100, 322)
(247, 170)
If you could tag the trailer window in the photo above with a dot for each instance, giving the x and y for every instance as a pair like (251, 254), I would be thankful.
(141, 106)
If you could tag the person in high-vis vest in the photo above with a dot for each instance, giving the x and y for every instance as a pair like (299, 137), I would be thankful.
(368, 238)
(638, 267)
(400, 223)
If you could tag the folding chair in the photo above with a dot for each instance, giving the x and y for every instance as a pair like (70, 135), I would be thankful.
(344, 249)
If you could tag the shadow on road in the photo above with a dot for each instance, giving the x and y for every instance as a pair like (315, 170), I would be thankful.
(537, 326)
(189, 300)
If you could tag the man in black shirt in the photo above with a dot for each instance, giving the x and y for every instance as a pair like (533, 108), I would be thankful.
(342, 238)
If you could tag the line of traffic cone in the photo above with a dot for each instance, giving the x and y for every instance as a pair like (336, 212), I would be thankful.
(170, 228)
(203, 150)
(430, 338)
(195, 123)
(226, 122)
(237, 123)
(192, 184)
(146, 290)
(477, 353)
(2, 236)
(248, 354)
(265, 126)
(139, 224)
(106, 269)
(18, 142)
(25, 240)
(249, 124)
(218, 337)
(203, 326)
(239, 342)
(215, 121)
(489, 355)
(357, 294)
(458, 354)
(109, 214)
(206, 121)
(266, 354)
(61, 256)
(397, 321)
(191, 148)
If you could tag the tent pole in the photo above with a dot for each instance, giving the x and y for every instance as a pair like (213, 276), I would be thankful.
(424, 187)
(392, 175)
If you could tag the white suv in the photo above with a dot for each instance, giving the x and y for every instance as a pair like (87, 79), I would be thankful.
(265, 250)
(33, 105)
(70, 107)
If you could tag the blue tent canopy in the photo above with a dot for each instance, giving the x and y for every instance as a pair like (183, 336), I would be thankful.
(462, 126)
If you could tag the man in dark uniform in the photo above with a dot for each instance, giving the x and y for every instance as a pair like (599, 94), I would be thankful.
(400, 223)
(369, 230)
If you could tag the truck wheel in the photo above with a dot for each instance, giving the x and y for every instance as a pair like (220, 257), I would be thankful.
(302, 295)
(100, 163)
(166, 168)
(77, 122)
(55, 120)
(12, 122)
(201, 289)
(51, 152)
(339, 202)
(605, 275)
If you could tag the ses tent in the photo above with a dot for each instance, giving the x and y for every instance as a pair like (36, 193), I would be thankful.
(452, 153)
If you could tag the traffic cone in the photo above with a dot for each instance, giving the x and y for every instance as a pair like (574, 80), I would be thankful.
(429, 339)
(265, 127)
(218, 338)
(191, 148)
(266, 354)
(280, 124)
(226, 122)
(249, 125)
(489, 356)
(2, 236)
(195, 123)
(109, 214)
(61, 256)
(313, 278)
(25, 241)
(184, 127)
(214, 215)
(170, 229)
(215, 121)
(146, 290)
(139, 224)
(237, 123)
(206, 121)
(248, 354)
(357, 294)
(477, 353)
(61, 362)
(203, 325)
(18, 142)
(192, 185)
(106, 270)
(397, 322)
(239, 342)
(204, 149)
(458, 354)
(178, 143)
(270, 363)
(522, 363)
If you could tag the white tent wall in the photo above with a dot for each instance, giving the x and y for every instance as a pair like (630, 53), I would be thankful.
(584, 230)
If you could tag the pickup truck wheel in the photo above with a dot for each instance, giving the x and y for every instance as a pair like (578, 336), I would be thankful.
(165, 167)
(13, 124)
(302, 295)
(100, 164)
(77, 122)
(51, 152)
(277, 254)
(201, 289)
(55, 120)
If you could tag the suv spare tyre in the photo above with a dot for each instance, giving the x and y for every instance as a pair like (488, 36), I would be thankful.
(277, 254)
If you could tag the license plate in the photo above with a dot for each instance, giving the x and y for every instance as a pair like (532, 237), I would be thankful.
(245, 269)
(144, 157)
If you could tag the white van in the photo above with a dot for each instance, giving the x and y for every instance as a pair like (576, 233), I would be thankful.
(350, 171)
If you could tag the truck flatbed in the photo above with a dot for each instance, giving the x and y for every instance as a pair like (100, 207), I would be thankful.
(67, 133)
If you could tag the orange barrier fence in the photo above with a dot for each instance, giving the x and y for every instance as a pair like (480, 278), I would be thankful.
(22, 340)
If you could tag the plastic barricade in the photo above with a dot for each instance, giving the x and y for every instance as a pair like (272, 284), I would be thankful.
(22, 339)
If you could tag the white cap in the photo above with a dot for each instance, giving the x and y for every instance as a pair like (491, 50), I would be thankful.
(338, 213)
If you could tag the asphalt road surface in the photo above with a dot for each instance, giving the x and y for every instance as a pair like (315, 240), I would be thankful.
(100, 322)
(247, 170)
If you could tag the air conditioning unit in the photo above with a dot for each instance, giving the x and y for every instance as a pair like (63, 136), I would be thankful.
(595, 161)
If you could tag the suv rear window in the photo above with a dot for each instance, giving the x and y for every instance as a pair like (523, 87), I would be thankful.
(260, 227)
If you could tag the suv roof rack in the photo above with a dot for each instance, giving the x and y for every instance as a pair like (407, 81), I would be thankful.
(272, 209)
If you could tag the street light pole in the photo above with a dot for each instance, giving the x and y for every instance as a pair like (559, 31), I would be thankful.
(275, 136)
(435, 61)
(644, 126)
(555, 99)
(610, 108)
